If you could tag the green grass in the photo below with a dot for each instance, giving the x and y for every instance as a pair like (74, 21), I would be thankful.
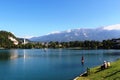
(111, 73)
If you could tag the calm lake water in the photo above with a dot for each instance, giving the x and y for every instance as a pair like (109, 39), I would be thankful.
(50, 64)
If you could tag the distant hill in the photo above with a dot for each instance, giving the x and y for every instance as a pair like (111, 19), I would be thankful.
(7, 39)
(98, 34)
(21, 40)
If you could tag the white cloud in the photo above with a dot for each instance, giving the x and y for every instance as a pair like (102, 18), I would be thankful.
(26, 37)
(54, 32)
(112, 27)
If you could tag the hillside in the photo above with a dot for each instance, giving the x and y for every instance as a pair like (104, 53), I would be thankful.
(7, 39)
(112, 73)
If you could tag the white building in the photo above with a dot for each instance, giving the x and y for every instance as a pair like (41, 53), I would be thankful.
(25, 41)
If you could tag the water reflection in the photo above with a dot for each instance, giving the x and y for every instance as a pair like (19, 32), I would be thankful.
(11, 54)
(24, 54)
(112, 53)
(4, 56)
(14, 54)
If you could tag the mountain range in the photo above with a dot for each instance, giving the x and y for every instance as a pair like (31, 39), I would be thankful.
(98, 34)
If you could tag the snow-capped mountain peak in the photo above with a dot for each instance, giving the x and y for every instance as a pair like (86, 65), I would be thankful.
(85, 34)
(55, 32)
(99, 34)
(69, 30)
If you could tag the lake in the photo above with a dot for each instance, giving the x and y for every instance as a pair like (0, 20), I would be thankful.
(50, 64)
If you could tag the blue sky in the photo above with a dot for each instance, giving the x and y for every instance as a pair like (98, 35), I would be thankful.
(39, 17)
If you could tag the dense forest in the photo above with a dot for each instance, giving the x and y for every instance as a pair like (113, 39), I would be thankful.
(6, 43)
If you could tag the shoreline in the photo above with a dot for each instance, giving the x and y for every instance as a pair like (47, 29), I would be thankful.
(92, 73)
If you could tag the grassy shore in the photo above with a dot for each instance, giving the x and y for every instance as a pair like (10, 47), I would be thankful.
(111, 73)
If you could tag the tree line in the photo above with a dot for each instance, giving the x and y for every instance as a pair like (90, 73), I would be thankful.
(105, 44)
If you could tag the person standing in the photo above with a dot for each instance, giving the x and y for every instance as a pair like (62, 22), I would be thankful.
(82, 60)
